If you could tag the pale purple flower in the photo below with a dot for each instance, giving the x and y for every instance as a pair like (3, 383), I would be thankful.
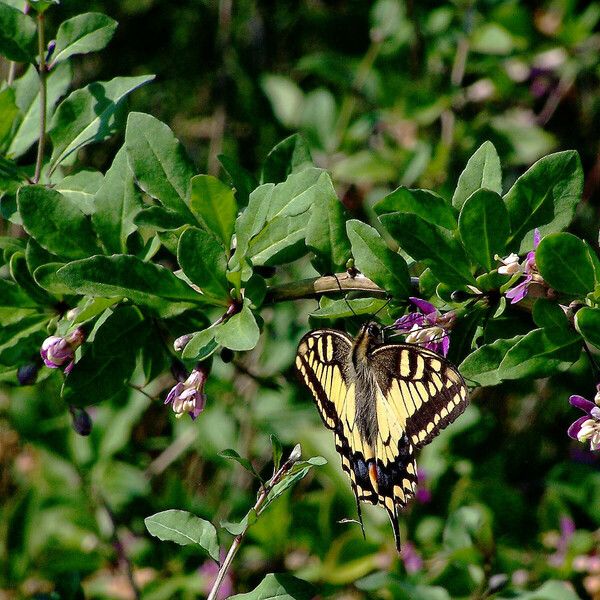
(411, 558)
(423, 495)
(567, 530)
(208, 571)
(511, 266)
(56, 351)
(427, 328)
(586, 428)
(188, 396)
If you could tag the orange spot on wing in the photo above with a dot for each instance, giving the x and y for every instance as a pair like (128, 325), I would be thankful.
(373, 477)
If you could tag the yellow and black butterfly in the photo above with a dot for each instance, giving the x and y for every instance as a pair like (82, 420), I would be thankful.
(382, 401)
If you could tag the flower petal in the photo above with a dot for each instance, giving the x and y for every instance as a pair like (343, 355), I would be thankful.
(407, 322)
(425, 307)
(581, 403)
(536, 238)
(517, 293)
(575, 428)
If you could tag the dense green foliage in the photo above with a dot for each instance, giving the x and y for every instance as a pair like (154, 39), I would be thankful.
(136, 273)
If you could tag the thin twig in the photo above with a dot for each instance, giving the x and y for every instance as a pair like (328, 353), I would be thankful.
(171, 453)
(42, 74)
(237, 540)
(12, 71)
(140, 389)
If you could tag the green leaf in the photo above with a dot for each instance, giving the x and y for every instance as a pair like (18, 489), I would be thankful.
(12, 296)
(539, 353)
(482, 171)
(484, 227)
(243, 181)
(564, 262)
(96, 379)
(432, 244)
(545, 196)
(347, 308)
(81, 188)
(213, 203)
(202, 344)
(297, 193)
(239, 332)
(481, 366)
(159, 218)
(289, 156)
(126, 276)
(280, 242)
(81, 34)
(89, 115)
(117, 202)
(203, 261)
(184, 528)
(326, 231)
(8, 113)
(423, 203)
(375, 260)
(20, 273)
(18, 35)
(231, 454)
(114, 336)
(549, 314)
(28, 100)
(587, 322)
(279, 586)
(159, 162)
(277, 452)
(56, 222)
(238, 528)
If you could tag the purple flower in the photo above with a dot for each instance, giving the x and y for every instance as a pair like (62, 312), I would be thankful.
(587, 427)
(188, 396)
(511, 266)
(56, 351)
(427, 328)
(411, 558)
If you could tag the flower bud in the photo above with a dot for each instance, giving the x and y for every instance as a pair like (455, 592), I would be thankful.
(295, 454)
(181, 342)
(81, 421)
(27, 374)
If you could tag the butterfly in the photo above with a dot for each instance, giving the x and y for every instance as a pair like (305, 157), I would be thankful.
(383, 402)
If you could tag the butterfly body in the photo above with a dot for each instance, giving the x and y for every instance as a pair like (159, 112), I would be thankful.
(382, 401)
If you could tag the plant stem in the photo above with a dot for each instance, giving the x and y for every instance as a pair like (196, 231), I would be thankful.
(42, 74)
(12, 70)
(238, 539)
(312, 288)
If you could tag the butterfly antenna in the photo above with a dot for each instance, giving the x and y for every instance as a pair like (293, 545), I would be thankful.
(344, 295)
(389, 299)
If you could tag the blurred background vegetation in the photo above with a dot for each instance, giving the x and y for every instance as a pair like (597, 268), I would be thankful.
(386, 93)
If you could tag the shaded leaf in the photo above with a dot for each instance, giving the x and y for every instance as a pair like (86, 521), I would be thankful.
(481, 366)
(289, 156)
(159, 162)
(56, 222)
(587, 321)
(126, 276)
(17, 35)
(89, 115)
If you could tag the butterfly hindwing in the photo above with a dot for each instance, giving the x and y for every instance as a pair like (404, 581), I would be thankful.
(425, 391)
